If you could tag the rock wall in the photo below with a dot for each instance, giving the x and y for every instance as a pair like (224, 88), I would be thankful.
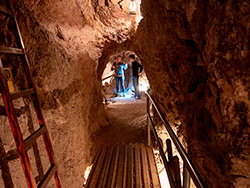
(196, 56)
(64, 40)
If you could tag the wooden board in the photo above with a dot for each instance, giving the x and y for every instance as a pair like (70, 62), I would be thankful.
(10, 50)
(124, 166)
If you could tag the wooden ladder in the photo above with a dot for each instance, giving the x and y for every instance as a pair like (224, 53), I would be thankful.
(23, 145)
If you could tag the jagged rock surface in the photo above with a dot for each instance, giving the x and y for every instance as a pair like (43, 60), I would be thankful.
(196, 56)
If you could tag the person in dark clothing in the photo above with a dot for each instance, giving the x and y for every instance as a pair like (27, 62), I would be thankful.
(136, 72)
(119, 68)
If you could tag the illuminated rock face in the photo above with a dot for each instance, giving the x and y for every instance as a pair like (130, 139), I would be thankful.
(64, 40)
(196, 56)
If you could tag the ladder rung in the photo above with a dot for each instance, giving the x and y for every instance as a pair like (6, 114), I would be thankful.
(28, 142)
(6, 11)
(10, 50)
(47, 176)
(25, 93)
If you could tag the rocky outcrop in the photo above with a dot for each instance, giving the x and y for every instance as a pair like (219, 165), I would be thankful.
(196, 56)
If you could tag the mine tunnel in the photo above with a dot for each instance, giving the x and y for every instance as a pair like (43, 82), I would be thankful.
(65, 124)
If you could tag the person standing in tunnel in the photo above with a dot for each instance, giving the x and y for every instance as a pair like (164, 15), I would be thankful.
(136, 72)
(119, 68)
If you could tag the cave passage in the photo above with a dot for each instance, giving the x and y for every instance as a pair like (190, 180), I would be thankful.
(126, 115)
(60, 93)
(127, 119)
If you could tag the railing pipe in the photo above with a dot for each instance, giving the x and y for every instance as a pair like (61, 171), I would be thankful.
(148, 123)
(108, 77)
(165, 162)
(192, 171)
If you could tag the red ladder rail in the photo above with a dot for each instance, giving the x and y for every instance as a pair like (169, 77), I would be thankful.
(24, 145)
(15, 128)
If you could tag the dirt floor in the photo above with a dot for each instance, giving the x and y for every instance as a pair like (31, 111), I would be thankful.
(127, 118)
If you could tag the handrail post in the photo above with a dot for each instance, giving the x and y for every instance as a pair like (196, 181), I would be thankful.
(169, 150)
(148, 123)
(186, 177)
(176, 171)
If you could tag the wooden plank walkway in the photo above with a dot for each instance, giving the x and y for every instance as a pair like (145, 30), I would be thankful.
(124, 166)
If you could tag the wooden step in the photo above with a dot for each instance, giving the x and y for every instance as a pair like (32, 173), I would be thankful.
(130, 166)
(97, 167)
(153, 170)
(6, 11)
(124, 166)
(28, 142)
(138, 175)
(48, 175)
(24, 93)
(145, 167)
(10, 50)
(106, 167)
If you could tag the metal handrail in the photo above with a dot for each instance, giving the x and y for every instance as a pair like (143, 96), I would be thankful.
(108, 77)
(190, 167)
(165, 162)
